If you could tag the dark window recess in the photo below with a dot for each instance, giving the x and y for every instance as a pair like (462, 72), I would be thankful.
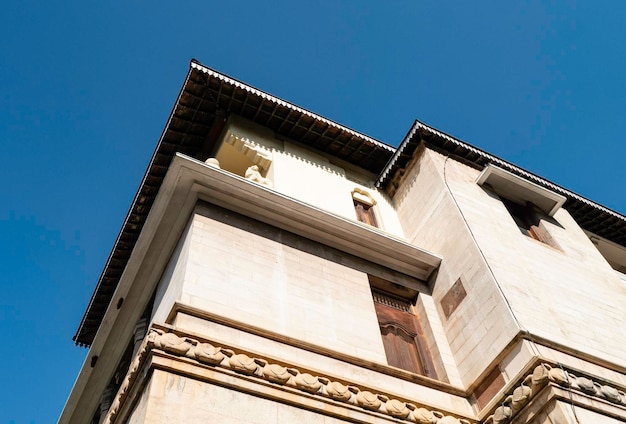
(489, 387)
(365, 213)
(528, 217)
(402, 334)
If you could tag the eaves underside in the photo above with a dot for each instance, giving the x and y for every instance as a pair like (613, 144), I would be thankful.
(589, 215)
(205, 101)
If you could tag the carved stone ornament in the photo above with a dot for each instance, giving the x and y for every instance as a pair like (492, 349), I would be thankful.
(368, 400)
(424, 416)
(207, 354)
(539, 378)
(307, 382)
(611, 394)
(586, 385)
(277, 373)
(397, 409)
(243, 364)
(521, 395)
(558, 376)
(252, 150)
(170, 342)
(253, 174)
(213, 162)
(338, 391)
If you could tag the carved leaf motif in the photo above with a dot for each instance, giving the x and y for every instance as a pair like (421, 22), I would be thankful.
(558, 376)
(208, 354)
(502, 414)
(586, 385)
(520, 397)
(307, 382)
(338, 391)
(540, 376)
(424, 416)
(276, 373)
(243, 364)
(170, 342)
(397, 409)
(610, 393)
(368, 400)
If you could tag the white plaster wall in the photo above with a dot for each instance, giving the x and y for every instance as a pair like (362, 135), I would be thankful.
(309, 176)
(569, 295)
(243, 270)
(481, 326)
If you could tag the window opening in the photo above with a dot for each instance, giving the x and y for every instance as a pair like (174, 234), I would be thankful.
(402, 333)
(364, 207)
(365, 213)
(528, 220)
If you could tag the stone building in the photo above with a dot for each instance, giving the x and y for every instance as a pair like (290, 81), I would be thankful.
(277, 267)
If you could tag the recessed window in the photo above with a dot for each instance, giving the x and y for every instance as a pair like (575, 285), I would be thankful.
(402, 334)
(528, 219)
(365, 213)
(364, 207)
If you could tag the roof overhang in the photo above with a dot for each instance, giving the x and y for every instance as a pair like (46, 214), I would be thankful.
(206, 99)
(591, 216)
(512, 187)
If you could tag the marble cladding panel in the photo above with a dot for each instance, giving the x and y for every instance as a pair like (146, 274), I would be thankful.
(244, 270)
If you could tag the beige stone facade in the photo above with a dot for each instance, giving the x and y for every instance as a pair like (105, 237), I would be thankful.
(266, 274)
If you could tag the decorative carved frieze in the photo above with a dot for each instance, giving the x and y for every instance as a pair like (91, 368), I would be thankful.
(207, 354)
(258, 154)
(253, 174)
(543, 374)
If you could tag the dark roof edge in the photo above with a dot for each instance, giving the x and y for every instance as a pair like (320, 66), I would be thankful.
(129, 214)
(197, 65)
(82, 336)
(392, 167)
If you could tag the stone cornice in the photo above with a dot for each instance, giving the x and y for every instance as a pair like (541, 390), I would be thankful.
(520, 394)
(189, 310)
(504, 409)
(205, 354)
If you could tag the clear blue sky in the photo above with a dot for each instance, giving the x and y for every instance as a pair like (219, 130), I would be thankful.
(86, 89)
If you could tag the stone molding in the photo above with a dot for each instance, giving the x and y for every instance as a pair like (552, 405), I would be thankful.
(241, 363)
(514, 400)
(511, 403)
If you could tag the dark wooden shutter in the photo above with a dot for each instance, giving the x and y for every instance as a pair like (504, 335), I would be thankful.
(402, 334)
(365, 213)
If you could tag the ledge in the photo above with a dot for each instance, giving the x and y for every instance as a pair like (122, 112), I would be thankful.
(176, 352)
(519, 190)
(219, 187)
(187, 181)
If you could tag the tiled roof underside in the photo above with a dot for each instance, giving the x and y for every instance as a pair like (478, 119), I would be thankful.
(206, 96)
